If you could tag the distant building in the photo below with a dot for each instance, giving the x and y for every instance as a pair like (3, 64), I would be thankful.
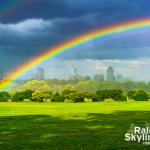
(119, 77)
(99, 77)
(39, 74)
(110, 74)
(75, 71)
(1, 75)
(79, 77)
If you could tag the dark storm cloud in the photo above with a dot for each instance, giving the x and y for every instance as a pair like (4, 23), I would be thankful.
(47, 9)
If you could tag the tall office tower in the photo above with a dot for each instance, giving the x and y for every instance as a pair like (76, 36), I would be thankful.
(110, 74)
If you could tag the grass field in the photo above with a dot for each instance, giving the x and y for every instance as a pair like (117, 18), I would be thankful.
(71, 126)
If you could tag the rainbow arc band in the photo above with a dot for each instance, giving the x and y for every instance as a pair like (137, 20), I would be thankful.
(66, 46)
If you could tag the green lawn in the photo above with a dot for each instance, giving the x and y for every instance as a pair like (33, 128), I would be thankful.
(71, 126)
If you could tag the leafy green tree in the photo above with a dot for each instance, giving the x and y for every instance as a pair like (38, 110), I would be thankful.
(101, 95)
(87, 86)
(57, 98)
(16, 88)
(73, 95)
(109, 94)
(27, 94)
(88, 95)
(131, 94)
(18, 97)
(68, 87)
(36, 85)
(120, 98)
(91, 96)
(48, 95)
(38, 96)
(66, 92)
(116, 95)
(141, 95)
(4, 96)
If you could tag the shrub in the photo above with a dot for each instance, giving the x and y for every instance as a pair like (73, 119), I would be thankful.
(113, 94)
(95, 99)
(27, 100)
(141, 95)
(4, 96)
(57, 98)
(27, 94)
(18, 97)
(38, 96)
(48, 96)
(73, 95)
(87, 100)
(131, 94)
(121, 98)
(88, 97)
(109, 94)
(100, 96)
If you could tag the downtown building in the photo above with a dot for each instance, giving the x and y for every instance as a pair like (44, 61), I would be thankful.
(110, 74)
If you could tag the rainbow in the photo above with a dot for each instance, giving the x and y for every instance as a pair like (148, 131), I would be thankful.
(66, 46)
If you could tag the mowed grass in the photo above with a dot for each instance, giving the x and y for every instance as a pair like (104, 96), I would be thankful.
(71, 126)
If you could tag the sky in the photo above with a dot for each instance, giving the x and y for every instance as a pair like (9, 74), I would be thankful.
(29, 27)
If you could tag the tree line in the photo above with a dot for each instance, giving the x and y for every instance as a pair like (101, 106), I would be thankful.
(42, 91)
(73, 96)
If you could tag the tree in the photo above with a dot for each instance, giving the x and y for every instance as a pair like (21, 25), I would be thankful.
(18, 97)
(120, 98)
(73, 95)
(57, 98)
(114, 94)
(48, 95)
(27, 94)
(109, 94)
(38, 96)
(4, 96)
(87, 86)
(100, 95)
(16, 88)
(91, 96)
(141, 95)
(36, 85)
(131, 94)
(88, 95)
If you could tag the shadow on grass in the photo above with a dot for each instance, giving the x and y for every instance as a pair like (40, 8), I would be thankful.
(95, 132)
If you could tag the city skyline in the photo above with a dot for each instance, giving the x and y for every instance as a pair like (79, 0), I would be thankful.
(64, 69)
